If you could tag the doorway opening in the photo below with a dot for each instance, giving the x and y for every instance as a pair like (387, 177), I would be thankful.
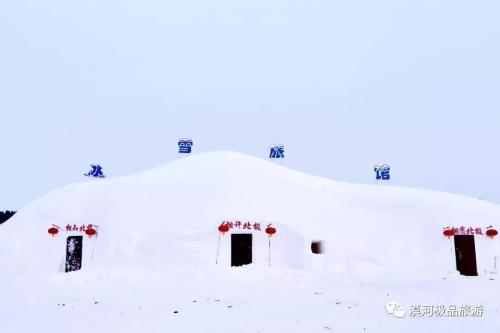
(73, 253)
(241, 249)
(465, 255)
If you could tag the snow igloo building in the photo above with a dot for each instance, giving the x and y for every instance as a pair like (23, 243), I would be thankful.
(168, 219)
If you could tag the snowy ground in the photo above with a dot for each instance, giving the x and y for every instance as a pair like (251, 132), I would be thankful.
(239, 300)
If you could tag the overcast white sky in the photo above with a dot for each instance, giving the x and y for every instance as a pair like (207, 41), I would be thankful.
(343, 84)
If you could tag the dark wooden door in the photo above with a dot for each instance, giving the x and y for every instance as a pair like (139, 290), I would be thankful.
(74, 253)
(241, 249)
(465, 254)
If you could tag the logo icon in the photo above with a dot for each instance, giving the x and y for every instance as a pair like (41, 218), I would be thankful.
(395, 309)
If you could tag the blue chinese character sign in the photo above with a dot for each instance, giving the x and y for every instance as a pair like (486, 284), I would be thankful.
(185, 146)
(277, 151)
(96, 172)
(383, 172)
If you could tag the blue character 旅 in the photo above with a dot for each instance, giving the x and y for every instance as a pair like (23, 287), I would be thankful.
(277, 151)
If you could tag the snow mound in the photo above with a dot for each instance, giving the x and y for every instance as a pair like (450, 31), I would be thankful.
(166, 219)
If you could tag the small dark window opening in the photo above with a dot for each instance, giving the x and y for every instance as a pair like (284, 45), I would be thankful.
(317, 247)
